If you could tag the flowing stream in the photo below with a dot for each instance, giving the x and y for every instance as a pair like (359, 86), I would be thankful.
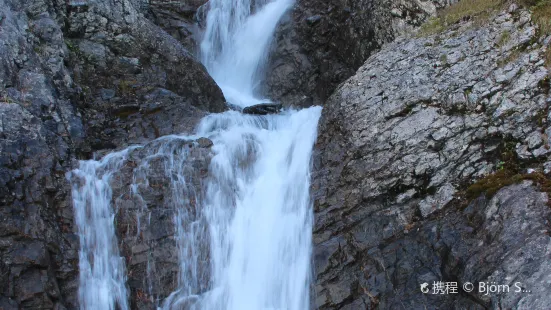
(255, 217)
(236, 42)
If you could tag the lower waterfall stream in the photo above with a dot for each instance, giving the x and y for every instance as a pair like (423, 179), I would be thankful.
(246, 243)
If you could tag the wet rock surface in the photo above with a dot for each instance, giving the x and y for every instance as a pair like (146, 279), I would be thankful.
(401, 141)
(179, 19)
(152, 207)
(322, 43)
(77, 77)
(263, 109)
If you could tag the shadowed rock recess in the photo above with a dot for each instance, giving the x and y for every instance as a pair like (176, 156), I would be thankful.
(399, 144)
(322, 43)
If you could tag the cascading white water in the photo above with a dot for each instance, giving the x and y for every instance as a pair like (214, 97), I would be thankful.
(256, 215)
(259, 212)
(235, 45)
(258, 205)
(102, 270)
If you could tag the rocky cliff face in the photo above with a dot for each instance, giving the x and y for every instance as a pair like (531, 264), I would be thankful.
(77, 77)
(421, 171)
(136, 78)
(179, 19)
(322, 43)
(400, 144)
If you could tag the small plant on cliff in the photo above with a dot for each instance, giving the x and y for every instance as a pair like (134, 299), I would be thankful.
(126, 87)
(541, 14)
(477, 10)
(490, 184)
(6, 99)
(71, 46)
(504, 38)
(469, 9)
(431, 26)
(509, 170)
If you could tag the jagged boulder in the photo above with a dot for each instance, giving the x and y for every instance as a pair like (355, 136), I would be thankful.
(137, 81)
(399, 146)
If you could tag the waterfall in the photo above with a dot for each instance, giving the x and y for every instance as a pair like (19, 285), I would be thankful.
(246, 245)
(235, 45)
(102, 271)
(259, 211)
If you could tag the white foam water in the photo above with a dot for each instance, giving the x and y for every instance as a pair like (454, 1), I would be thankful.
(255, 221)
(102, 270)
(259, 211)
(235, 45)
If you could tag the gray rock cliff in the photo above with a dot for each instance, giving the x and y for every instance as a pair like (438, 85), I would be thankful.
(432, 162)
(400, 145)
(77, 77)
(322, 43)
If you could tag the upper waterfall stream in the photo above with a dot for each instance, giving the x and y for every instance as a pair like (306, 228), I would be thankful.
(245, 243)
(236, 42)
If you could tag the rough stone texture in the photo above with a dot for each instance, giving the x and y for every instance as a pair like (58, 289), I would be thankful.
(418, 122)
(322, 43)
(124, 39)
(137, 80)
(37, 249)
(147, 200)
(76, 77)
(178, 18)
(398, 143)
(503, 240)
(512, 239)
(263, 109)
(39, 133)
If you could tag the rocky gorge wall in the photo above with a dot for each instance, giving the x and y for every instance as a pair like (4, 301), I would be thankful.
(145, 196)
(77, 77)
(401, 144)
(322, 43)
